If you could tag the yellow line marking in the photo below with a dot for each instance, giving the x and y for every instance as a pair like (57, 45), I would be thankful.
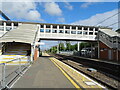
(10, 55)
(67, 76)
(8, 58)
(13, 62)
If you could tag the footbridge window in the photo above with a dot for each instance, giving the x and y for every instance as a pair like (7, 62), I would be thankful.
(73, 32)
(79, 28)
(85, 28)
(73, 27)
(90, 33)
(79, 32)
(91, 29)
(85, 33)
(41, 30)
(48, 30)
(67, 31)
(54, 31)
(61, 31)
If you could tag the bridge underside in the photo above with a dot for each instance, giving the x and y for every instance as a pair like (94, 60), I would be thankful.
(57, 39)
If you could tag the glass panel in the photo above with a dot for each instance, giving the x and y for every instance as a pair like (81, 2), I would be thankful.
(61, 31)
(54, 31)
(79, 32)
(41, 30)
(85, 33)
(8, 28)
(73, 32)
(48, 30)
(66, 31)
(90, 33)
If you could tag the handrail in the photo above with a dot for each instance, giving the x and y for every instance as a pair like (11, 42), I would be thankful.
(12, 60)
(17, 70)
(109, 40)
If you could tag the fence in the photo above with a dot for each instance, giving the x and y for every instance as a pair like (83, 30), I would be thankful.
(8, 72)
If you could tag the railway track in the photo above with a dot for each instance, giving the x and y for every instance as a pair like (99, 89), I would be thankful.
(107, 74)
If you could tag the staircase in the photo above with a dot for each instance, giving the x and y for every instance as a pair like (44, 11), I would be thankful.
(109, 38)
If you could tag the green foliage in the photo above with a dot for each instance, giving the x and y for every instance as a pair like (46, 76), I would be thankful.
(68, 47)
(61, 47)
(53, 49)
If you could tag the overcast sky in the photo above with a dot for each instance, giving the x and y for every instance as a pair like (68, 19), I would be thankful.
(80, 13)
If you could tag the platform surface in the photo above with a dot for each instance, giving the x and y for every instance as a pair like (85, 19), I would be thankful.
(43, 74)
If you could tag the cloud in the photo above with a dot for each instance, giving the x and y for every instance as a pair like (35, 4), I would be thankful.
(53, 9)
(68, 6)
(93, 20)
(61, 20)
(85, 5)
(21, 10)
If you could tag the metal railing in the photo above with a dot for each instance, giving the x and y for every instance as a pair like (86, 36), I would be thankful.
(10, 70)
(113, 42)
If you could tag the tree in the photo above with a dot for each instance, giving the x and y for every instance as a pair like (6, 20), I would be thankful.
(53, 49)
(68, 46)
(61, 47)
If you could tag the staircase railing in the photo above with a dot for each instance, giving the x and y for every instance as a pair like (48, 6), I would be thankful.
(110, 41)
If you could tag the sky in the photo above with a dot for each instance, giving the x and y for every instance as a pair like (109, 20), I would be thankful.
(78, 13)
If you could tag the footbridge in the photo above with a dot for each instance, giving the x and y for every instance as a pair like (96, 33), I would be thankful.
(31, 33)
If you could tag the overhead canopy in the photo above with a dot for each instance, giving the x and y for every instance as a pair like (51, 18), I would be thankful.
(25, 33)
(111, 33)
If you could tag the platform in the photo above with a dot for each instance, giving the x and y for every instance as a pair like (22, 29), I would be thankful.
(43, 74)
(48, 72)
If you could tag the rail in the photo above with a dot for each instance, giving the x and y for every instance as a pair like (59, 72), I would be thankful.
(8, 72)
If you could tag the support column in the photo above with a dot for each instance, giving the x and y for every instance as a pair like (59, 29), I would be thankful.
(12, 24)
(57, 29)
(82, 30)
(51, 28)
(44, 29)
(93, 31)
(64, 29)
(78, 48)
(98, 49)
(58, 48)
(70, 29)
(91, 50)
(88, 31)
(4, 27)
(117, 47)
(76, 30)
(32, 54)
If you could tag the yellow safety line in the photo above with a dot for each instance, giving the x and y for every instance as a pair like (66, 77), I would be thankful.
(8, 58)
(13, 62)
(67, 76)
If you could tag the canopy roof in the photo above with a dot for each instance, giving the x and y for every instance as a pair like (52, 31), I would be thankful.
(25, 33)
(111, 32)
